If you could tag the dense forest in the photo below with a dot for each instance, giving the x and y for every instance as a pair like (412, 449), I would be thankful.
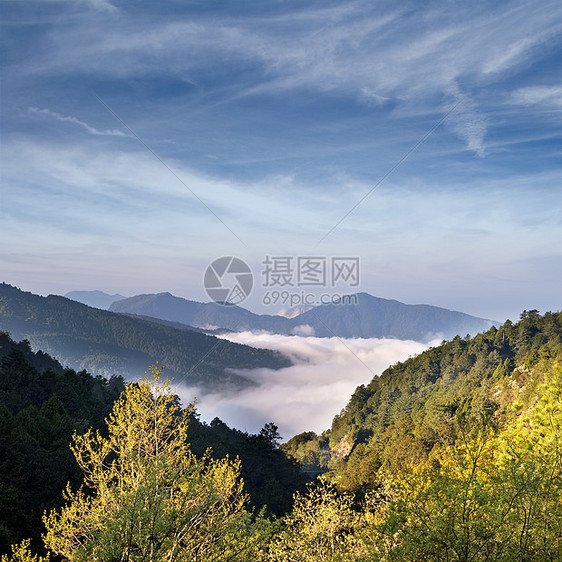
(110, 344)
(415, 407)
(42, 405)
(455, 454)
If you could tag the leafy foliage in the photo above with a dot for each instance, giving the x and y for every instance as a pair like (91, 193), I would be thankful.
(150, 497)
(407, 412)
(493, 496)
(270, 476)
(457, 453)
(39, 410)
(42, 405)
(320, 527)
(454, 455)
(22, 553)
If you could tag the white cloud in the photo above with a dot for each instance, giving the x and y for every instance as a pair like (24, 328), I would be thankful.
(405, 56)
(341, 92)
(511, 54)
(547, 95)
(306, 396)
(103, 5)
(90, 176)
(303, 330)
(468, 122)
(74, 120)
(91, 204)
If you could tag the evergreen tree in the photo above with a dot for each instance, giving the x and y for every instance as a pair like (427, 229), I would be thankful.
(147, 497)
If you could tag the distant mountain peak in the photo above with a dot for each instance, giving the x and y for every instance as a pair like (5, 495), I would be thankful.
(370, 317)
(96, 299)
(294, 311)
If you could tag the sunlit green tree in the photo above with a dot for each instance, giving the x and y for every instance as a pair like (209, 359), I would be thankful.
(146, 496)
(321, 526)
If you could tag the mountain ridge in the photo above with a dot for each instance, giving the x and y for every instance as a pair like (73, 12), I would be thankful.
(107, 343)
(96, 299)
(370, 317)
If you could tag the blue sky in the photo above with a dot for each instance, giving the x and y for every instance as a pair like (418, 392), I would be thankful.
(280, 116)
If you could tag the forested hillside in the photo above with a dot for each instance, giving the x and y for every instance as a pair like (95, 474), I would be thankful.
(42, 405)
(106, 343)
(454, 455)
(420, 405)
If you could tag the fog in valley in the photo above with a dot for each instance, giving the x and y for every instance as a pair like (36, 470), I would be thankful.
(307, 395)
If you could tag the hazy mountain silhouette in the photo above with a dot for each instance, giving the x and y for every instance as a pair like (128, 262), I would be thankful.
(97, 299)
(370, 317)
(373, 317)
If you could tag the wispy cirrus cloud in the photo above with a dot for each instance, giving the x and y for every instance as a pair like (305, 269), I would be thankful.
(103, 5)
(468, 122)
(278, 114)
(548, 95)
(371, 55)
(68, 119)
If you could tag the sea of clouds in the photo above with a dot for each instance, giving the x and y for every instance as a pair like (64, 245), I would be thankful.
(307, 395)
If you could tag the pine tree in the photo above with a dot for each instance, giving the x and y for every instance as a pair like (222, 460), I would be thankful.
(146, 496)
